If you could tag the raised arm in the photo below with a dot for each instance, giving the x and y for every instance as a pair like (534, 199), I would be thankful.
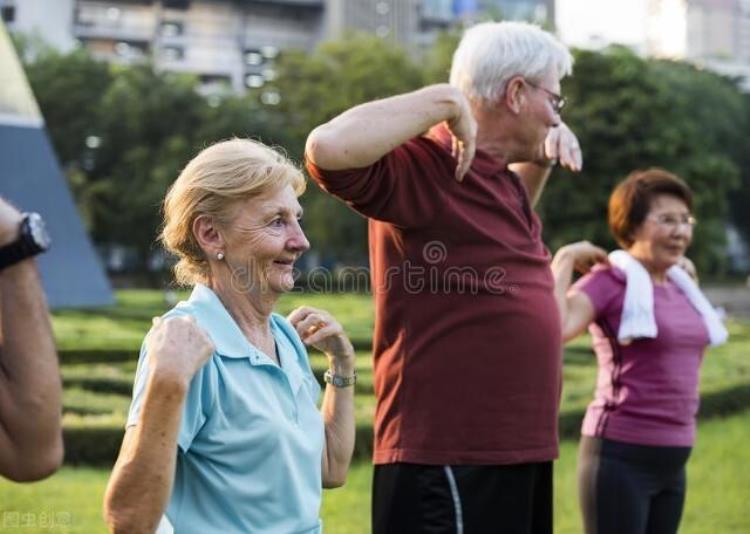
(31, 445)
(141, 481)
(319, 329)
(362, 135)
(576, 309)
(561, 145)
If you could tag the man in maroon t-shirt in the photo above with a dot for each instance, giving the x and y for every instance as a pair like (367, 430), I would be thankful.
(467, 345)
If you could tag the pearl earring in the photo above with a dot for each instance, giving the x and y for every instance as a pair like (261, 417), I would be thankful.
(220, 256)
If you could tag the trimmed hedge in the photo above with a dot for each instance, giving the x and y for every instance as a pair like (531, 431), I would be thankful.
(100, 445)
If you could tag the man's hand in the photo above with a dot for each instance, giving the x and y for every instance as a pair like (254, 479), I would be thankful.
(10, 221)
(178, 347)
(562, 145)
(463, 128)
(689, 267)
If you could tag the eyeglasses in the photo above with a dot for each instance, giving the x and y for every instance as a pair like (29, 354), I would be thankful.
(558, 101)
(671, 220)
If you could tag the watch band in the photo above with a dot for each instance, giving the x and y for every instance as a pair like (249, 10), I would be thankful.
(339, 381)
(22, 248)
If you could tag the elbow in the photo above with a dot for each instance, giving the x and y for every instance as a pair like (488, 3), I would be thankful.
(123, 518)
(334, 480)
(35, 467)
(324, 148)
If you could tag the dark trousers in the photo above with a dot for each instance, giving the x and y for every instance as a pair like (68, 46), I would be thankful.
(630, 489)
(462, 499)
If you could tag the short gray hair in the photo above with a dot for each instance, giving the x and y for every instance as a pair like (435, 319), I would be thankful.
(491, 53)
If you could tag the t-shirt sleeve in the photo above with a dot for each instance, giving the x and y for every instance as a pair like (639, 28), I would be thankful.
(602, 286)
(197, 402)
(406, 187)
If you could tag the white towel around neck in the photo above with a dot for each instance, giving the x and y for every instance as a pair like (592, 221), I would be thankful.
(638, 319)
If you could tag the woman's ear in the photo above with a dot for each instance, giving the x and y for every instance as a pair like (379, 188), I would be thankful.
(208, 236)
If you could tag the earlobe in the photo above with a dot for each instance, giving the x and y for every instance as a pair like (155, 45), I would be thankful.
(207, 235)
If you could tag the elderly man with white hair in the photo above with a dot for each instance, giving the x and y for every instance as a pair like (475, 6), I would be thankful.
(467, 343)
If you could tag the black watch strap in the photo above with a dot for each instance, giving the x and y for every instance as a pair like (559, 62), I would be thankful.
(22, 248)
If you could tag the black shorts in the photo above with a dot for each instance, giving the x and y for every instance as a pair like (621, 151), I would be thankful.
(462, 499)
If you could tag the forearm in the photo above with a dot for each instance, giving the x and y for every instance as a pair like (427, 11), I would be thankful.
(141, 481)
(562, 273)
(533, 177)
(362, 135)
(30, 387)
(338, 419)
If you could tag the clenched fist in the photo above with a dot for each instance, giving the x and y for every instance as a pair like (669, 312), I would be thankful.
(178, 348)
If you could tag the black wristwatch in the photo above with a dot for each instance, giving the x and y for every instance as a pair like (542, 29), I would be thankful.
(33, 239)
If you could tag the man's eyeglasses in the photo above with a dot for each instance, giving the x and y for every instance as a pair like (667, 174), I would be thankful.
(671, 220)
(558, 101)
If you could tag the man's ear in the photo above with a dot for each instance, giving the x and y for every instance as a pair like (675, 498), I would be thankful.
(515, 96)
(208, 236)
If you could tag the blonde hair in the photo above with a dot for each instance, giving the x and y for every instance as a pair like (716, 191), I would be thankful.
(211, 184)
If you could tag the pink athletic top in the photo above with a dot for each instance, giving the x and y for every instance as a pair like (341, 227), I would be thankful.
(647, 391)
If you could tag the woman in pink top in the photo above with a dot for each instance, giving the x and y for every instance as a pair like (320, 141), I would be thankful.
(639, 429)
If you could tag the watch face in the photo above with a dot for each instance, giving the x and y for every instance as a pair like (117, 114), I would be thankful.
(38, 231)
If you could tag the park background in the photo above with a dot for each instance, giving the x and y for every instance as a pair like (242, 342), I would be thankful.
(123, 132)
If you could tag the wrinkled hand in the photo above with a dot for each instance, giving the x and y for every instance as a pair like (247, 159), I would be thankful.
(689, 267)
(10, 221)
(562, 145)
(463, 130)
(321, 330)
(178, 347)
(585, 255)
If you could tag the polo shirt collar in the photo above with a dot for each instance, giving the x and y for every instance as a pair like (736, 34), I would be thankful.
(214, 318)
(230, 341)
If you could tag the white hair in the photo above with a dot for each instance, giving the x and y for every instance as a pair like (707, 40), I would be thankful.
(491, 53)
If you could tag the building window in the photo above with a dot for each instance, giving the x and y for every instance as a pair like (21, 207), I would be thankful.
(172, 53)
(8, 13)
(254, 80)
(253, 58)
(171, 29)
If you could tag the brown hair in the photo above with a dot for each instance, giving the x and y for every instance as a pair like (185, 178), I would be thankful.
(210, 184)
(631, 200)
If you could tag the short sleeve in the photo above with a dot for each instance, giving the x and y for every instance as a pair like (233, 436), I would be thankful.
(406, 187)
(603, 285)
(197, 402)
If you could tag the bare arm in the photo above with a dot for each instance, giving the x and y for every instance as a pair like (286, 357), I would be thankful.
(576, 309)
(560, 145)
(31, 445)
(141, 481)
(362, 135)
(319, 329)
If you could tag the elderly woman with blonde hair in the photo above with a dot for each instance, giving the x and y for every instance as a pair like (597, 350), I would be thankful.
(223, 433)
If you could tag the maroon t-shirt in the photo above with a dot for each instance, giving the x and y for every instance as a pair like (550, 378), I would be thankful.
(467, 344)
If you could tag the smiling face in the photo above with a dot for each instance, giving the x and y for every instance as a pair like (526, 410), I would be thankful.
(264, 240)
(665, 234)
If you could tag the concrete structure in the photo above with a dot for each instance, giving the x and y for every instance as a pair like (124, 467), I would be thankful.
(31, 178)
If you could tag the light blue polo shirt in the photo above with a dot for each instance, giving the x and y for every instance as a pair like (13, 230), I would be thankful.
(250, 445)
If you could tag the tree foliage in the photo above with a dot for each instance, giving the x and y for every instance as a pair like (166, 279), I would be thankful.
(124, 133)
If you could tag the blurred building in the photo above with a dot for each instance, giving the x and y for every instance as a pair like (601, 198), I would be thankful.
(231, 44)
(710, 33)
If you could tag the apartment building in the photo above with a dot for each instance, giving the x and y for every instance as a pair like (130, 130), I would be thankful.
(232, 44)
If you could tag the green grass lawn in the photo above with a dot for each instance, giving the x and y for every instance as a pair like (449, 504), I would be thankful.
(718, 492)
